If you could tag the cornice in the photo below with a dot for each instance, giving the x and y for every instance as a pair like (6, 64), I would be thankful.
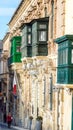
(28, 11)
(16, 11)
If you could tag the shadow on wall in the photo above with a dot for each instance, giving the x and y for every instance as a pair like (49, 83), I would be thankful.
(49, 128)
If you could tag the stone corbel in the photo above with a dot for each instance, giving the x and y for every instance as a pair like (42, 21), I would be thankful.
(28, 66)
(17, 27)
(39, 62)
(39, 1)
(21, 21)
(29, 12)
(50, 62)
(26, 17)
(45, 68)
(47, 1)
(34, 73)
(34, 63)
(24, 66)
(11, 33)
(14, 29)
(39, 80)
(39, 12)
(68, 90)
(18, 24)
(30, 9)
(34, 7)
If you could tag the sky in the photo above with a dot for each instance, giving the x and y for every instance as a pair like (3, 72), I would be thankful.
(7, 9)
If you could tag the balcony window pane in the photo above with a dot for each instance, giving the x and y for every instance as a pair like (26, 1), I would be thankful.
(72, 56)
(42, 26)
(23, 39)
(66, 58)
(29, 29)
(18, 49)
(29, 38)
(42, 35)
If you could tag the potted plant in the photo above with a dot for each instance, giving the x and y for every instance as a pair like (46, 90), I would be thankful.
(30, 117)
(39, 118)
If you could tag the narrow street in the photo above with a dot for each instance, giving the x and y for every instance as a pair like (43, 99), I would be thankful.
(5, 128)
(36, 64)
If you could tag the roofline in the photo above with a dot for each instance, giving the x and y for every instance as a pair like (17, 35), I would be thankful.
(6, 36)
(16, 11)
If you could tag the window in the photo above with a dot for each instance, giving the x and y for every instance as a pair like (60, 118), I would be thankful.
(42, 35)
(29, 35)
(42, 26)
(29, 29)
(42, 32)
(63, 57)
(34, 37)
(29, 38)
(23, 39)
(72, 56)
(18, 49)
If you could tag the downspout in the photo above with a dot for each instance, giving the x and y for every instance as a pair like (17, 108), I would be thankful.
(58, 109)
(44, 92)
(52, 16)
(50, 91)
(72, 114)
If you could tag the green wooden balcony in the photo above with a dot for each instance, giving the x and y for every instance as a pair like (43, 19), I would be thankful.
(34, 38)
(16, 58)
(40, 37)
(40, 50)
(65, 59)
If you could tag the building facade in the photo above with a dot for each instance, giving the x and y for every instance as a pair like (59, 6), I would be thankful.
(40, 42)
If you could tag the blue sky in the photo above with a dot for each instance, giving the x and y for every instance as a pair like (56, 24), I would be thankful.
(7, 8)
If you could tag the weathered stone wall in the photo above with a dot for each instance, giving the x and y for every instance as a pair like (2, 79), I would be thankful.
(36, 71)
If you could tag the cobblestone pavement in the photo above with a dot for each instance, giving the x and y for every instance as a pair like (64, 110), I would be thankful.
(3, 126)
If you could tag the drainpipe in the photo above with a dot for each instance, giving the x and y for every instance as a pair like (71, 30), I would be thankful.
(50, 91)
(58, 109)
(51, 94)
(37, 99)
(44, 90)
(52, 15)
(72, 114)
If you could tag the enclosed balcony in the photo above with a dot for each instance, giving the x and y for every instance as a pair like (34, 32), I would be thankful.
(14, 59)
(40, 37)
(34, 38)
(26, 44)
(65, 59)
(15, 53)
